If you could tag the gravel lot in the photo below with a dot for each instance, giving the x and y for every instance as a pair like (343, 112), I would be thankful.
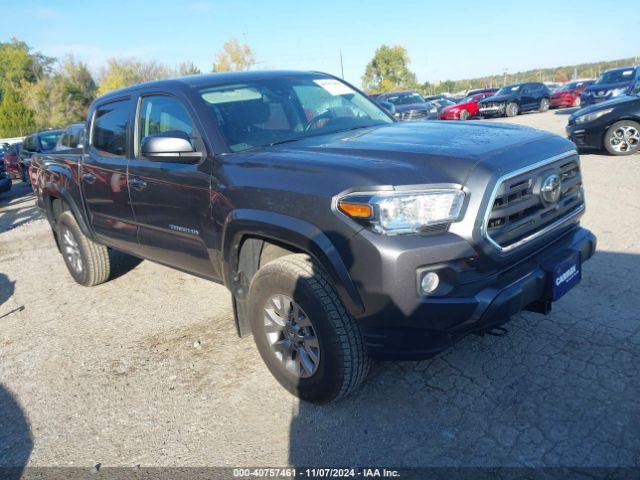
(146, 369)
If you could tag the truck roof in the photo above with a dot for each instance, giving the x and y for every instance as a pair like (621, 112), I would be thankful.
(212, 79)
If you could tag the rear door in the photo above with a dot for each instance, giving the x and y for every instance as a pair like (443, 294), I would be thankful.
(104, 176)
(171, 196)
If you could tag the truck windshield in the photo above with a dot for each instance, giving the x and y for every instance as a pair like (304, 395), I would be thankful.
(265, 112)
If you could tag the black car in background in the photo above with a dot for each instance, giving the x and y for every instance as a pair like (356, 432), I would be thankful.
(408, 105)
(516, 98)
(38, 142)
(611, 84)
(613, 125)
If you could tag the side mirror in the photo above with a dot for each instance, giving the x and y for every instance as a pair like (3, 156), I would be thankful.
(170, 145)
(388, 106)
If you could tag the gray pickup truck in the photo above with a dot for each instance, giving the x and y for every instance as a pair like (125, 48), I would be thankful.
(341, 234)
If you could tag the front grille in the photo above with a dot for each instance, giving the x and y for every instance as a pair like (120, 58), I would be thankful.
(414, 114)
(518, 210)
(491, 106)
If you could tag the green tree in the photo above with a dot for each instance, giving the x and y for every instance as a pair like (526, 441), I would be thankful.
(187, 68)
(18, 64)
(234, 57)
(120, 73)
(61, 98)
(16, 119)
(389, 70)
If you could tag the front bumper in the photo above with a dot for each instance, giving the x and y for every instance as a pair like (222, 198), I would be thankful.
(586, 137)
(486, 299)
(493, 110)
(563, 101)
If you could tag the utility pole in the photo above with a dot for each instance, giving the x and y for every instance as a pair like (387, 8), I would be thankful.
(341, 65)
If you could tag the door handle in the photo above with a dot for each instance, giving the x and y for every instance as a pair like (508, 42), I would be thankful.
(137, 183)
(89, 177)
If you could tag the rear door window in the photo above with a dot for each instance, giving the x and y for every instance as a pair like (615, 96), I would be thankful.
(110, 127)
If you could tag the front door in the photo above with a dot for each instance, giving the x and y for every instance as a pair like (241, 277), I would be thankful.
(104, 176)
(171, 195)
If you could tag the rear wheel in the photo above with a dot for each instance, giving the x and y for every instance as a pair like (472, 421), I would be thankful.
(464, 115)
(577, 101)
(544, 105)
(622, 138)
(87, 262)
(511, 110)
(303, 332)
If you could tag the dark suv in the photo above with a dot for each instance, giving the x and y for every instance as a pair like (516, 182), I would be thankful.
(38, 142)
(516, 98)
(611, 84)
(341, 234)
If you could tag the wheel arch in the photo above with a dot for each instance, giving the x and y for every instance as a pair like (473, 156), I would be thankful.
(252, 238)
(53, 193)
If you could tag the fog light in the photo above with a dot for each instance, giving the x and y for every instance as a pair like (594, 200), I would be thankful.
(429, 283)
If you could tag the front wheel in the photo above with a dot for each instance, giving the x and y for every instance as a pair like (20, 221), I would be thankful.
(303, 332)
(544, 105)
(87, 262)
(577, 101)
(511, 110)
(622, 138)
(464, 115)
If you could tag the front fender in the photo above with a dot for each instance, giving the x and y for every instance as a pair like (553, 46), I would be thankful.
(291, 231)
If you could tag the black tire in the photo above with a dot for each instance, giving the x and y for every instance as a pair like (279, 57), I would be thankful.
(95, 264)
(343, 361)
(577, 102)
(622, 124)
(544, 105)
(511, 110)
(464, 115)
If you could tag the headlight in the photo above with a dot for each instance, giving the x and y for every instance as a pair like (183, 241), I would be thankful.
(590, 117)
(616, 92)
(395, 213)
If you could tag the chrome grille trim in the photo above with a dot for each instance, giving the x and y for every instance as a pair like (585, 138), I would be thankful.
(538, 233)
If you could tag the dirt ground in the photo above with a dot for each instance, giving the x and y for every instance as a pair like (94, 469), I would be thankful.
(146, 369)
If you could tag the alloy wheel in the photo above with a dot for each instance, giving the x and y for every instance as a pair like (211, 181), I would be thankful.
(291, 336)
(625, 138)
(71, 250)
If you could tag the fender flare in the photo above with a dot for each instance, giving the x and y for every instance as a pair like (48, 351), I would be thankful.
(299, 234)
(52, 191)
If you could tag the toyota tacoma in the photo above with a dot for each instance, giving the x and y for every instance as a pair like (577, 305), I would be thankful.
(342, 234)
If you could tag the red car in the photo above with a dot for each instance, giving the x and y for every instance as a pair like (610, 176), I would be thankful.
(569, 95)
(11, 160)
(467, 107)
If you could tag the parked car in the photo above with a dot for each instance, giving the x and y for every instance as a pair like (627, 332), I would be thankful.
(516, 98)
(38, 142)
(5, 179)
(72, 137)
(613, 125)
(465, 109)
(409, 105)
(342, 234)
(569, 95)
(612, 83)
(11, 158)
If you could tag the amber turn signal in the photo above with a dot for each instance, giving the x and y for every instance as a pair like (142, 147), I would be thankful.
(355, 210)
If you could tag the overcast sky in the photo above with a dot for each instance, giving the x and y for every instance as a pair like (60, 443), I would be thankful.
(445, 39)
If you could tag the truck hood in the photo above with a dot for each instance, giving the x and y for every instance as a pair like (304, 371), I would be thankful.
(411, 153)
